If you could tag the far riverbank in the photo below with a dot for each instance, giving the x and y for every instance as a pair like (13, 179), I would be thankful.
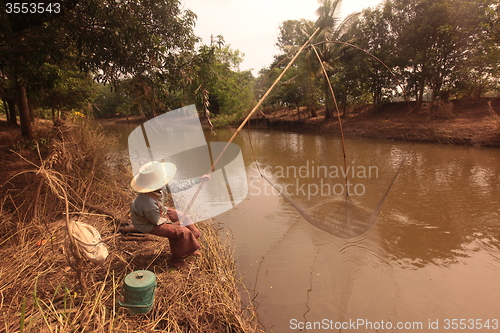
(459, 122)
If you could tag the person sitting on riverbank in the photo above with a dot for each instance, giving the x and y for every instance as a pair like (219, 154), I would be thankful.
(150, 215)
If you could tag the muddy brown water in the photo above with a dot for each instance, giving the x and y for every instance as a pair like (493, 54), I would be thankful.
(430, 263)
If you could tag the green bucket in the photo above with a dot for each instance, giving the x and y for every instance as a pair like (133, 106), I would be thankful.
(139, 291)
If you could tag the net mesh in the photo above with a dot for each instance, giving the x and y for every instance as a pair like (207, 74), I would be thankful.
(347, 221)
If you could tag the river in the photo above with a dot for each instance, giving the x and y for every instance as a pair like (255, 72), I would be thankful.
(429, 263)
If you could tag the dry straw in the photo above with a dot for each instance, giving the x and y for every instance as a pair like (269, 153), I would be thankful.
(44, 287)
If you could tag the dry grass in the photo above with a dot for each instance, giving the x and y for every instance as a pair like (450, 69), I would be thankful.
(43, 288)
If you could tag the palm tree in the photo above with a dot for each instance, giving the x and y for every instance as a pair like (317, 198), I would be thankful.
(331, 30)
(295, 32)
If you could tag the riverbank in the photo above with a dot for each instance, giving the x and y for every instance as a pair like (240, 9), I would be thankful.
(459, 122)
(67, 173)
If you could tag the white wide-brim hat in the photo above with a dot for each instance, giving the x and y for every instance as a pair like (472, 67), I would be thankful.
(153, 176)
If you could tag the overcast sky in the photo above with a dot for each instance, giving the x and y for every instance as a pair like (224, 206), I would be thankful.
(251, 26)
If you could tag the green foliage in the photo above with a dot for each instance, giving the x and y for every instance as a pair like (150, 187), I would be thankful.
(209, 77)
(115, 37)
(111, 101)
(297, 88)
(232, 93)
(423, 48)
(52, 55)
(226, 120)
(367, 72)
(145, 50)
(216, 83)
(70, 89)
(301, 84)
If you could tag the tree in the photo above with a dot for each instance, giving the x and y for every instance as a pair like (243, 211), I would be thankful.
(6, 93)
(480, 71)
(110, 38)
(329, 51)
(293, 90)
(217, 83)
(294, 33)
(208, 77)
(434, 47)
(115, 38)
(431, 45)
(69, 89)
(27, 42)
(432, 37)
(373, 35)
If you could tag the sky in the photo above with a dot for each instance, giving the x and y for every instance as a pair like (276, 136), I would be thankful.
(251, 26)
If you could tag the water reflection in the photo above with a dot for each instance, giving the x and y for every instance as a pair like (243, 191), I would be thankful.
(451, 199)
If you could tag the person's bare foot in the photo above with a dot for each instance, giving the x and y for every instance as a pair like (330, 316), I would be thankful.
(177, 263)
(196, 253)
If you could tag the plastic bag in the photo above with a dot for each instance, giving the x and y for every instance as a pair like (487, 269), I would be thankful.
(89, 241)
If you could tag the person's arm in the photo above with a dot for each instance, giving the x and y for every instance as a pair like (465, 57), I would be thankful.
(184, 184)
(153, 216)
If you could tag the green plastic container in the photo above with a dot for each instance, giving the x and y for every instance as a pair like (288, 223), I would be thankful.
(139, 291)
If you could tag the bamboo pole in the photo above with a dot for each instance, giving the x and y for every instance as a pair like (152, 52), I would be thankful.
(338, 117)
(247, 118)
(398, 81)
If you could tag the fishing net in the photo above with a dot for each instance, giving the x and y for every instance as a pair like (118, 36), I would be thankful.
(347, 221)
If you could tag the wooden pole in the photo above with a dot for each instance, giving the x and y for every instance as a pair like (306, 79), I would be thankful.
(247, 118)
(338, 117)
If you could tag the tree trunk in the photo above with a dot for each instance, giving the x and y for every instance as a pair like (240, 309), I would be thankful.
(377, 94)
(436, 84)
(90, 114)
(312, 111)
(11, 103)
(477, 92)
(415, 87)
(30, 109)
(310, 92)
(344, 105)
(6, 108)
(420, 97)
(24, 112)
(328, 111)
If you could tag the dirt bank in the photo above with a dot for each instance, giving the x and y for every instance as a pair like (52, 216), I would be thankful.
(119, 119)
(458, 122)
